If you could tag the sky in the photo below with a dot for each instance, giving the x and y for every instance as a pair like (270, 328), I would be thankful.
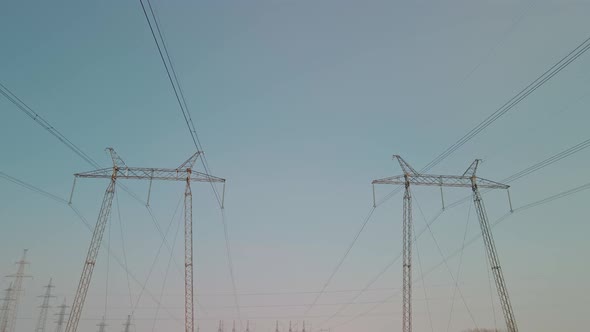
(299, 105)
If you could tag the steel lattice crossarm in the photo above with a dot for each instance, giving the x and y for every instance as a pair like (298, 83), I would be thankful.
(441, 180)
(460, 181)
(143, 173)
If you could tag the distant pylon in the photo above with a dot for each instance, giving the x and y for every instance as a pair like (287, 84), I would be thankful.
(303, 326)
(102, 325)
(233, 329)
(61, 317)
(5, 305)
(290, 327)
(42, 321)
(12, 310)
(277, 328)
(127, 324)
(248, 326)
(220, 329)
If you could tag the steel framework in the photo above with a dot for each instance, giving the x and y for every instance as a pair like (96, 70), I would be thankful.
(102, 325)
(467, 180)
(42, 321)
(120, 170)
(9, 322)
(5, 306)
(127, 325)
(61, 317)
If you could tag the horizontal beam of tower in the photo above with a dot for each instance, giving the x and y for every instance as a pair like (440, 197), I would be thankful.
(440, 181)
(142, 173)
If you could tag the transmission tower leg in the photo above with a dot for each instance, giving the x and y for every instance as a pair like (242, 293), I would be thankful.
(188, 258)
(6, 308)
(407, 263)
(103, 217)
(492, 254)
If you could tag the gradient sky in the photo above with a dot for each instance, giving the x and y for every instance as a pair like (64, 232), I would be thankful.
(299, 104)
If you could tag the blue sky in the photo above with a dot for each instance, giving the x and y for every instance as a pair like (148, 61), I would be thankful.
(299, 104)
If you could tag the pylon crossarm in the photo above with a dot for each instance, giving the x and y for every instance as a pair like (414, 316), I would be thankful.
(441, 181)
(140, 173)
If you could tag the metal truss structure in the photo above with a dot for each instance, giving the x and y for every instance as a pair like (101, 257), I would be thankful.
(42, 321)
(120, 170)
(467, 180)
(61, 317)
(13, 295)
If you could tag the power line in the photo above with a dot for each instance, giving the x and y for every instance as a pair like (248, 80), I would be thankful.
(380, 274)
(33, 188)
(553, 159)
(423, 283)
(455, 279)
(177, 88)
(45, 125)
(534, 168)
(538, 82)
(341, 261)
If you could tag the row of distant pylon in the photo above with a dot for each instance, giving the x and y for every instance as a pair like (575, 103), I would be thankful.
(10, 302)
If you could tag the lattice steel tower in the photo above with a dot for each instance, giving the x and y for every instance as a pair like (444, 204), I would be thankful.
(467, 180)
(61, 317)
(183, 173)
(9, 321)
(127, 325)
(102, 325)
(42, 321)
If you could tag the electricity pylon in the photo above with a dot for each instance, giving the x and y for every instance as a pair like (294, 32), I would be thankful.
(61, 317)
(127, 324)
(120, 170)
(42, 321)
(102, 325)
(9, 322)
(467, 180)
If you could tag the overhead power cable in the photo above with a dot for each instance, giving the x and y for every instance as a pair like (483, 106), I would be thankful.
(446, 263)
(21, 105)
(46, 125)
(160, 41)
(33, 188)
(533, 168)
(512, 102)
(341, 261)
(378, 275)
